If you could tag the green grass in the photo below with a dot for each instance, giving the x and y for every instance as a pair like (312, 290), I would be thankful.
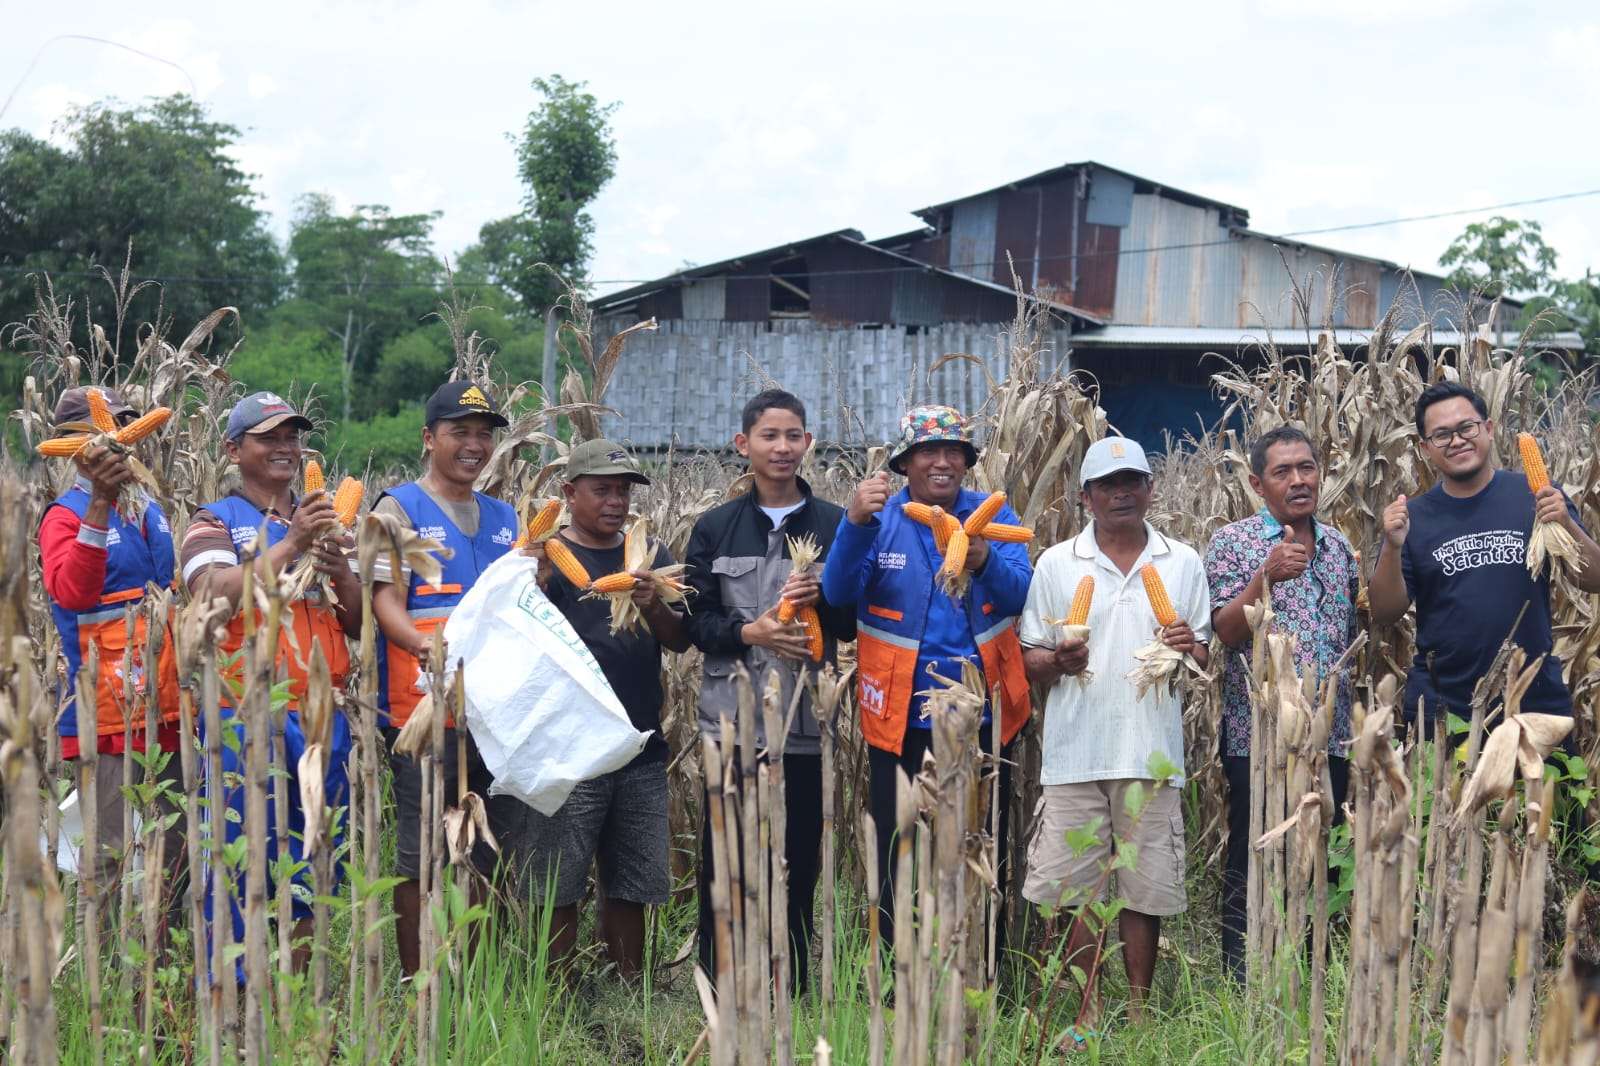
(505, 1007)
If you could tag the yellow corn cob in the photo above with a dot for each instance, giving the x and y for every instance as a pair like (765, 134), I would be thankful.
(62, 447)
(621, 581)
(1532, 462)
(1006, 533)
(562, 558)
(314, 481)
(807, 616)
(978, 520)
(144, 425)
(99, 412)
(545, 521)
(347, 501)
(943, 525)
(1160, 603)
(1082, 597)
(918, 512)
(955, 555)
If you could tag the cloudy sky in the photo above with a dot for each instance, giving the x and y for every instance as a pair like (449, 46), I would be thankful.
(746, 125)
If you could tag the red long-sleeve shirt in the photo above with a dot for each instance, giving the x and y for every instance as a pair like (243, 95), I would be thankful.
(74, 555)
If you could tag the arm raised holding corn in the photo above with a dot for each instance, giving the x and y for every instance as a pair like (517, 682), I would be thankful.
(1556, 535)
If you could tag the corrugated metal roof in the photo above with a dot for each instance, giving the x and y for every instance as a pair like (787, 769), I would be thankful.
(1055, 305)
(1239, 215)
(851, 238)
(1221, 339)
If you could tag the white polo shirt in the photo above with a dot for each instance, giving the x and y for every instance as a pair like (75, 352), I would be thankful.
(1103, 730)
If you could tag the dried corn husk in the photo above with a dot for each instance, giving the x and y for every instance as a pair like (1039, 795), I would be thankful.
(1070, 631)
(1160, 664)
(1550, 543)
(637, 551)
(1521, 742)
(465, 826)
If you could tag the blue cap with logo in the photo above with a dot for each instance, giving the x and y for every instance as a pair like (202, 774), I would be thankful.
(260, 412)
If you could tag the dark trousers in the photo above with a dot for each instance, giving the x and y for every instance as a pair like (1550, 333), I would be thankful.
(884, 797)
(1236, 870)
(802, 849)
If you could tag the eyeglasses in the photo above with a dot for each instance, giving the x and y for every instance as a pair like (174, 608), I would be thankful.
(1440, 438)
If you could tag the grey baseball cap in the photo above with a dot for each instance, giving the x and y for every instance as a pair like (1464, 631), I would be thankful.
(1111, 455)
(602, 458)
(260, 412)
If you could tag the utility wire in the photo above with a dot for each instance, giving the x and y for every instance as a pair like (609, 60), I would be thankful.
(963, 268)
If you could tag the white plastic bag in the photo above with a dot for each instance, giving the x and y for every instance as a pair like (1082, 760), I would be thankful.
(541, 712)
(69, 837)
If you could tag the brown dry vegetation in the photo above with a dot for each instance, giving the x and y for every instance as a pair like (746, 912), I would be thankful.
(1452, 946)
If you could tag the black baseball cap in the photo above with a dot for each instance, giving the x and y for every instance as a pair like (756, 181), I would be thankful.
(462, 399)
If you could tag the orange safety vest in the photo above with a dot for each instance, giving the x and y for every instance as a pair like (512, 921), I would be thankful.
(314, 621)
(136, 556)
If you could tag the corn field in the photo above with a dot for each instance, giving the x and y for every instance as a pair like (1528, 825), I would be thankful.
(1467, 937)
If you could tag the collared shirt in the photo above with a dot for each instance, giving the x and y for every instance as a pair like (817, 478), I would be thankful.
(1318, 609)
(1103, 729)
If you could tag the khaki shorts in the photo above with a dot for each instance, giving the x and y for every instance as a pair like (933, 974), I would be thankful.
(1057, 877)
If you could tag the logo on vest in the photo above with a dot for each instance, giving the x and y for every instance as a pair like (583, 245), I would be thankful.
(113, 537)
(473, 397)
(161, 524)
(431, 532)
(505, 536)
(243, 536)
(873, 697)
(891, 560)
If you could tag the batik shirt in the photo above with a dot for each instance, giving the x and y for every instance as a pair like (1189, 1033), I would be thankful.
(1318, 609)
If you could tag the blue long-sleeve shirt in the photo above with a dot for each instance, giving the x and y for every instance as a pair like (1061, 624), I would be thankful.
(947, 636)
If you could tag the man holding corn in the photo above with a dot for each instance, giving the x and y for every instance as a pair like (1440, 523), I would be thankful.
(619, 818)
(758, 606)
(97, 562)
(1459, 551)
(458, 436)
(886, 562)
(263, 438)
(1102, 735)
(1314, 578)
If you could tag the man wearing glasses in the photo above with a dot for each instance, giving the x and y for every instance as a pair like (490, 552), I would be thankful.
(1458, 552)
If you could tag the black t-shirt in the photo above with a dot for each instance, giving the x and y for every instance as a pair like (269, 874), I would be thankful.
(630, 661)
(1464, 565)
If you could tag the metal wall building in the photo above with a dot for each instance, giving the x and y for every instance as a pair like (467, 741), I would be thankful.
(1145, 280)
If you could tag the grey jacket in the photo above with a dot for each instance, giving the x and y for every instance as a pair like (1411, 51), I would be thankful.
(738, 564)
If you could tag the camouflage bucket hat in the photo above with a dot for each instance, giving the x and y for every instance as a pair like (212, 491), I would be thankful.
(929, 424)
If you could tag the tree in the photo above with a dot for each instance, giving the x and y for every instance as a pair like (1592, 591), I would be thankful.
(158, 176)
(290, 359)
(1501, 257)
(365, 277)
(565, 155)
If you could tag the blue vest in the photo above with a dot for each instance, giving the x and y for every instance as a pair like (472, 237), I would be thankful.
(891, 613)
(314, 621)
(136, 556)
(430, 604)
